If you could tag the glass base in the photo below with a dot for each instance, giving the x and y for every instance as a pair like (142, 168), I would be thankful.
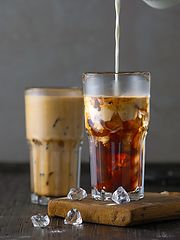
(135, 195)
(39, 199)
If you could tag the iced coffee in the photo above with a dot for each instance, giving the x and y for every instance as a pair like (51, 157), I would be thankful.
(116, 128)
(54, 130)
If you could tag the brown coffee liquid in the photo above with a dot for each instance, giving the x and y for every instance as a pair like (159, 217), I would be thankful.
(116, 128)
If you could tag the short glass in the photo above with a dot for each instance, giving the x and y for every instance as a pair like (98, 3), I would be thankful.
(54, 131)
(117, 119)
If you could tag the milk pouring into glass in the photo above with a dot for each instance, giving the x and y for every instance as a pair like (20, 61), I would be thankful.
(116, 120)
(117, 112)
(117, 36)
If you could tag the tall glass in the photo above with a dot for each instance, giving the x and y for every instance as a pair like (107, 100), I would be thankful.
(117, 120)
(54, 131)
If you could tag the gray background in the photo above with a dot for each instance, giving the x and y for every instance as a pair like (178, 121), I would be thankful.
(51, 43)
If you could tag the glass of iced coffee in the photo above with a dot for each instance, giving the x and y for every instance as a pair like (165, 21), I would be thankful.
(116, 120)
(54, 131)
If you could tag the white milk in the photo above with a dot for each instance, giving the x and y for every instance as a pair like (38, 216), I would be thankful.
(117, 35)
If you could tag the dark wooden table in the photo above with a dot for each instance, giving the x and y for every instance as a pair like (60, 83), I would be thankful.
(16, 209)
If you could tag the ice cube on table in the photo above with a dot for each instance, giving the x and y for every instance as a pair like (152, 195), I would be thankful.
(40, 220)
(120, 196)
(77, 194)
(73, 217)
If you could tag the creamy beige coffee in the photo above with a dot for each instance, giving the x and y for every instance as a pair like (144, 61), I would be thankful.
(54, 130)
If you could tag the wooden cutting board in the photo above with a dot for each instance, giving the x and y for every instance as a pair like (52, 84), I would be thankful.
(153, 207)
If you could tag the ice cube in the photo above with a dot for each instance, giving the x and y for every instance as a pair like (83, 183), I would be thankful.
(96, 115)
(115, 124)
(40, 220)
(120, 196)
(141, 103)
(93, 112)
(77, 194)
(73, 217)
(106, 113)
(127, 111)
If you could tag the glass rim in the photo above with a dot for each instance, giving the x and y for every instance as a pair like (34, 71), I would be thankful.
(53, 88)
(145, 73)
(54, 91)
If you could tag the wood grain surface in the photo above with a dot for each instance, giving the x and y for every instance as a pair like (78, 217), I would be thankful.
(154, 207)
(16, 211)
